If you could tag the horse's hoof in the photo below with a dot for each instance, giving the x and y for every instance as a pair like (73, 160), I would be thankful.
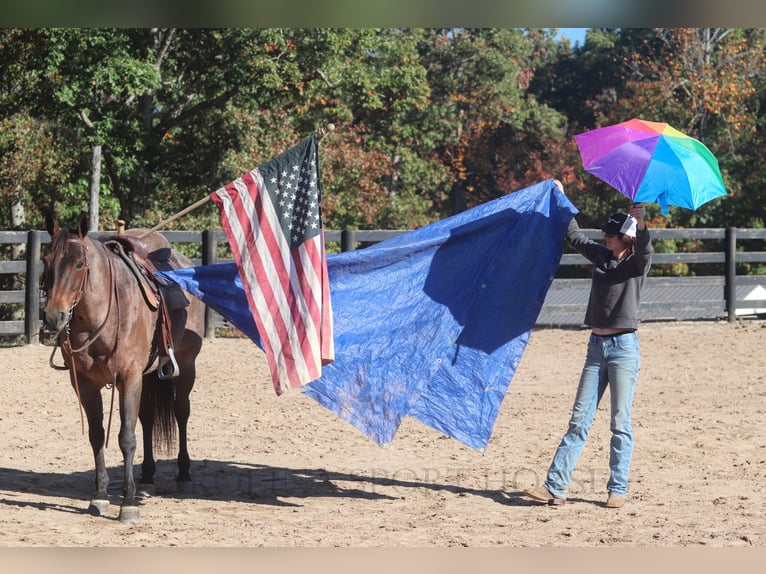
(129, 514)
(98, 507)
(185, 486)
(146, 490)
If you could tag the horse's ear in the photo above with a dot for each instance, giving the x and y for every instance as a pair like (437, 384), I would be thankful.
(82, 226)
(51, 225)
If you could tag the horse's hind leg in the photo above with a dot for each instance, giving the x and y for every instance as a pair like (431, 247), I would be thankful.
(183, 387)
(188, 327)
(93, 406)
(190, 338)
(146, 414)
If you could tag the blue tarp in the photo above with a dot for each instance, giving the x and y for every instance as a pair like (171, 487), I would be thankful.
(431, 324)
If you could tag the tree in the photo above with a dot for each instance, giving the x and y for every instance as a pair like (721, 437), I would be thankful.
(707, 82)
(429, 121)
(493, 135)
(153, 99)
(378, 166)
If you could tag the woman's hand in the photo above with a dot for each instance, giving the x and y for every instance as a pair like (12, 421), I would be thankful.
(638, 211)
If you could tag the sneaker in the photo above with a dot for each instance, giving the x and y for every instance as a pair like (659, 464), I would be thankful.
(542, 494)
(615, 501)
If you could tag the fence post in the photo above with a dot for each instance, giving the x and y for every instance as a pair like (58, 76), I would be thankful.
(209, 257)
(348, 240)
(730, 293)
(32, 289)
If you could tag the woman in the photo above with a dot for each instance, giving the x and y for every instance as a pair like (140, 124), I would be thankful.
(619, 269)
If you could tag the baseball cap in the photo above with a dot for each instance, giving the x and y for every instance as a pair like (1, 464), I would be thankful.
(620, 223)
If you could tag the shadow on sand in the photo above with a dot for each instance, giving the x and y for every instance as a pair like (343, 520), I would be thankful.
(225, 481)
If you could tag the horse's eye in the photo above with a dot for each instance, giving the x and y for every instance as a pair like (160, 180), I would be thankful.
(80, 265)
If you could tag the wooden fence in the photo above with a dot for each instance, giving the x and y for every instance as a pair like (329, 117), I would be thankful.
(678, 297)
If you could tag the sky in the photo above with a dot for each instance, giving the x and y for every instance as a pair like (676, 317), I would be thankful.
(575, 35)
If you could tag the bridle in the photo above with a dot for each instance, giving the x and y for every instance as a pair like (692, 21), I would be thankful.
(66, 342)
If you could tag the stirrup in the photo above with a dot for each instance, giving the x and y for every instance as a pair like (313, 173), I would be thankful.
(161, 368)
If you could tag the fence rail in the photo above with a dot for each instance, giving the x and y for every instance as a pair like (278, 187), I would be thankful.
(711, 296)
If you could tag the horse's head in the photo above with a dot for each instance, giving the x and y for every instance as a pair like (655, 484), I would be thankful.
(65, 271)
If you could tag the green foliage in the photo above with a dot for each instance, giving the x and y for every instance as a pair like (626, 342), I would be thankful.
(428, 121)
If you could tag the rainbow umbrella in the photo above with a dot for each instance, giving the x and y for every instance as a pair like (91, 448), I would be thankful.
(652, 162)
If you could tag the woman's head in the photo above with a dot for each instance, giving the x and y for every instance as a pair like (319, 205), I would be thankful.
(621, 223)
(620, 231)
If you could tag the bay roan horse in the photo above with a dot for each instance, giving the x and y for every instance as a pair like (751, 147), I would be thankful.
(109, 325)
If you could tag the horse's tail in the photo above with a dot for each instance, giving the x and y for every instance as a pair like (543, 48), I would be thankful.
(164, 430)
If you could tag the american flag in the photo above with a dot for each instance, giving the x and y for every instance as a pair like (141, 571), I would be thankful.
(272, 217)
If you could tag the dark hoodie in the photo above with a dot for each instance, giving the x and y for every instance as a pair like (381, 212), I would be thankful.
(615, 293)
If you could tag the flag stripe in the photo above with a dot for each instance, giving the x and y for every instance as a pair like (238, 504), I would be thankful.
(309, 282)
(305, 278)
(326, 320)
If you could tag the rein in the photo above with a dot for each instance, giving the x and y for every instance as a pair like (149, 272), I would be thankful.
(66, 344)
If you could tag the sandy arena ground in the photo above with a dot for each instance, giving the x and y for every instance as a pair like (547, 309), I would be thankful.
(285, 472)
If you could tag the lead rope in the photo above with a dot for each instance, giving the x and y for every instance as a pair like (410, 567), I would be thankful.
(116, 349)
(66, 345)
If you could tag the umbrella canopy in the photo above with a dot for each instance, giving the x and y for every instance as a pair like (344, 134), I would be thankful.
(652, 162)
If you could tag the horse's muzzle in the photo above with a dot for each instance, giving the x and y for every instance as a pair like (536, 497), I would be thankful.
(56, 319)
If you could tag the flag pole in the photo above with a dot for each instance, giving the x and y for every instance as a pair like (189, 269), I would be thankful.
(321, 133)
(172, 218)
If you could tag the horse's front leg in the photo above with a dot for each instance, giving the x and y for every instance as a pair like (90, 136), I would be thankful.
(90, 398)
(130, 400)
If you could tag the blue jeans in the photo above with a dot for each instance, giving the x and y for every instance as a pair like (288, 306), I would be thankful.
(612, 361)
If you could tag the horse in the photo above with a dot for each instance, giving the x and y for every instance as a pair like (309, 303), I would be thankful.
(118, 328)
